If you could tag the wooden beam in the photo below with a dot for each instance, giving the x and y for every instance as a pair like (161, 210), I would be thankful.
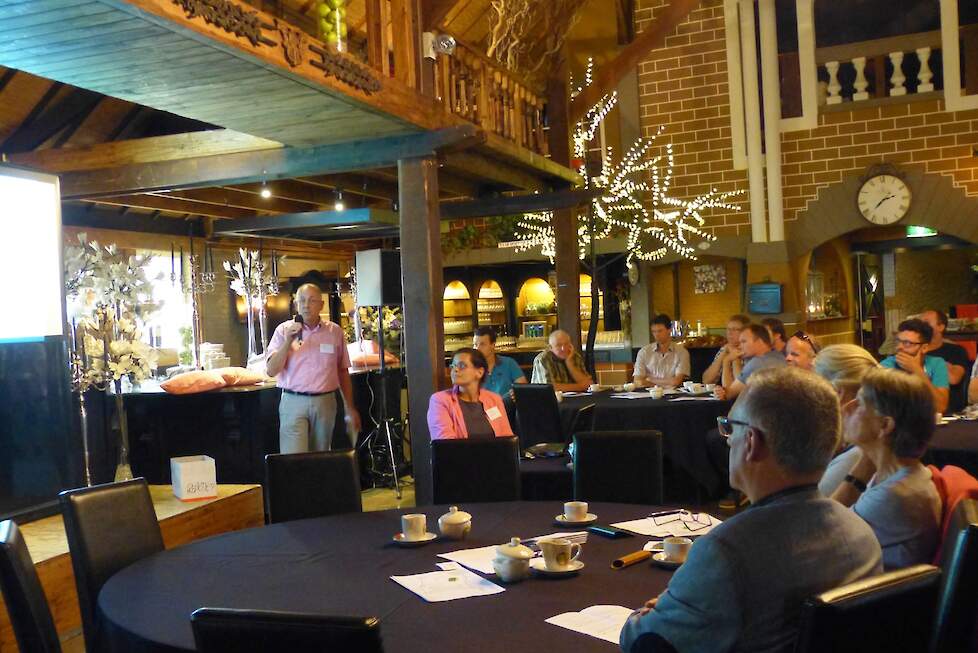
(406, 27)
(421, 278)
(266, 165)
(238, 199)
(143, 150)
(174, 205)
(505, 149)
(516, 204)
(75, 106)
(482, 168)
(433, 12)
(377, 17)
(355, 184)
(611, 73)
(98, 217)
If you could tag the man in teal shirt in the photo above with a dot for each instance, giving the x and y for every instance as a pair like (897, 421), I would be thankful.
(913, 339)
(503, 371)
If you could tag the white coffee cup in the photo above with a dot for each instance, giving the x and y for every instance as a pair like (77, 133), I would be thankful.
(594, 387)
(695, 388)
(575, 510)
(688, 385)
(414, 526)
(710, 387)
(676, 548)
(628, 387)
(559, 553)
(656, 392)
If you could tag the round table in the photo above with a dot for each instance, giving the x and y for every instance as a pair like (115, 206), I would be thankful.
(341, 565)
(684, 426)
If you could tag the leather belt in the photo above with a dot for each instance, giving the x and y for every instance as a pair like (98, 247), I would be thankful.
(306, 394)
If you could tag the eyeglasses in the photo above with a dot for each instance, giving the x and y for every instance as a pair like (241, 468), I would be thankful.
(725, 425)
(801, 335)
(692, 521)
(908, 343)
(459, 365)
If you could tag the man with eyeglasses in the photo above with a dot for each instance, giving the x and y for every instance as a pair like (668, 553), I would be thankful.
(743, 584)
(310, 358)
(735, 325)
(912, 341)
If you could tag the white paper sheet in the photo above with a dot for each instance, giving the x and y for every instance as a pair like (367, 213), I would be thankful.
(449, 585)
(631, 395)
(479, 559)
(601, 621)
(684, 527)
(700, 398)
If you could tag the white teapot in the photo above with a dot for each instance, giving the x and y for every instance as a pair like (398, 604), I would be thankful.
(455, 524)
(512, 561)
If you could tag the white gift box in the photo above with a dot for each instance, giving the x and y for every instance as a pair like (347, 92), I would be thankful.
(194, 477)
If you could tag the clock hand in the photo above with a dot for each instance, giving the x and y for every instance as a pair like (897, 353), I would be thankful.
(882, 200)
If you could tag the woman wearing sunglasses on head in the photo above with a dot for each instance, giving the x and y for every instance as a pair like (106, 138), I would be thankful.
(467, 410)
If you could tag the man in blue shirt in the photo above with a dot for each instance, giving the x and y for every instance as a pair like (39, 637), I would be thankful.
(755, 354)
(503, 371)
(913, 338)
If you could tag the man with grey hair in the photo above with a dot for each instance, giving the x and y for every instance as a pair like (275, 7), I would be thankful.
(744, 582)
(561, 366)
(310, 358)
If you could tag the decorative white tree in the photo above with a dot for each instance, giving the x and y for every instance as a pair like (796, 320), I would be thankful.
(626, 188)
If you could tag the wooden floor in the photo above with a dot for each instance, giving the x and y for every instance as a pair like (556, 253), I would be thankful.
(386, 499)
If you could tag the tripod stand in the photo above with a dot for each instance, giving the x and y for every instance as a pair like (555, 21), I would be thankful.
(380, 443)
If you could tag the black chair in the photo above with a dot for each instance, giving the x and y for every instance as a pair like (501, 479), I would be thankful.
(957, 607)
(27, 606)
(224, 630)
(471, 471)
(109, 527)
(890, 612)
(583, 421)
(314, 484)
(538, 415)
(618, 466)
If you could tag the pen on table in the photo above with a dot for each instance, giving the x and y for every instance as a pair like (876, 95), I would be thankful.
(631, 559)
(666, 513)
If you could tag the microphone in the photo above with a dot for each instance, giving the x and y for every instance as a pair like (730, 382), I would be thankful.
(298, 320)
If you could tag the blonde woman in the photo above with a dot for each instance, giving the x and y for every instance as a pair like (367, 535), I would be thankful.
(844, 366)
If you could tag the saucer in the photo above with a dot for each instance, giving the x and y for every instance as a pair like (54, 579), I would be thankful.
(660, 560)
(561, 520)
(539, 565)
(400, 541)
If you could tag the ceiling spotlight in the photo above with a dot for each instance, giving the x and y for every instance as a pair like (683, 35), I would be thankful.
(435, 44)
(265, 191)
(339, 201)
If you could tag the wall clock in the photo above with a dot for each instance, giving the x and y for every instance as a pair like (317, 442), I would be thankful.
(884, 199)
(634, 274)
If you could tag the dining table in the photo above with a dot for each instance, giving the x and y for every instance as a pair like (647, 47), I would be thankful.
(342, 565)
(955, 443)
(685, 422)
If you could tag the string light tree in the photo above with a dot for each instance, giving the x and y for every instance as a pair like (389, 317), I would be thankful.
(632, 200)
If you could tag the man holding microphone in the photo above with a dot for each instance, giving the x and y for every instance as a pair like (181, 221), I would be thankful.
(310, 359)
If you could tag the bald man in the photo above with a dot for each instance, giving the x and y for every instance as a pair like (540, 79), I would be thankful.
(311, 362)
(561, 366)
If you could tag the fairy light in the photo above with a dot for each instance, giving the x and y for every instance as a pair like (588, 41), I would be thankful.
(671, 226)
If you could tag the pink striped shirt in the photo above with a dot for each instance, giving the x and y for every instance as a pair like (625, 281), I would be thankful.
(314, 365)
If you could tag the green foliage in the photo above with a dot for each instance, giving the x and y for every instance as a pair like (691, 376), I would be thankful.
(186, 357)
(498, 229)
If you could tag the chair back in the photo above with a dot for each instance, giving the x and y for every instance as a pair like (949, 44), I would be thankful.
(537, 412)
(618, 466)
(314, 484)
(470, 471)
(613, 377)
(583, 421)
(109, 527)
(957, 608)
(890, 612)
(27, 606)
(224, 630)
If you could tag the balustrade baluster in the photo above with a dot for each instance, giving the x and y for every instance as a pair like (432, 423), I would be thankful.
(925, 74)
(859, 63)
(898, 78)
(834, 87)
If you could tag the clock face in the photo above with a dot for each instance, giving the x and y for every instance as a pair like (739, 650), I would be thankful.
(884, 199)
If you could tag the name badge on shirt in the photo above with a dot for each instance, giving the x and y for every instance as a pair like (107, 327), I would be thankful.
(325, 348)
(493, 414)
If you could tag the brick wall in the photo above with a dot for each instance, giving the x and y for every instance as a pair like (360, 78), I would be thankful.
(713, 308)
(683, 86)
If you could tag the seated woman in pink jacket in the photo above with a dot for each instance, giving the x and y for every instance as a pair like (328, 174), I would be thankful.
(466, 410)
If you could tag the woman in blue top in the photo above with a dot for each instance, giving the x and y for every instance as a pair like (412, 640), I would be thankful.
(503, 372)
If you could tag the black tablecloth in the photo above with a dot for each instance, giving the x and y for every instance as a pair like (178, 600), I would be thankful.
(955, 444)
(341, 566)
(684, 425)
